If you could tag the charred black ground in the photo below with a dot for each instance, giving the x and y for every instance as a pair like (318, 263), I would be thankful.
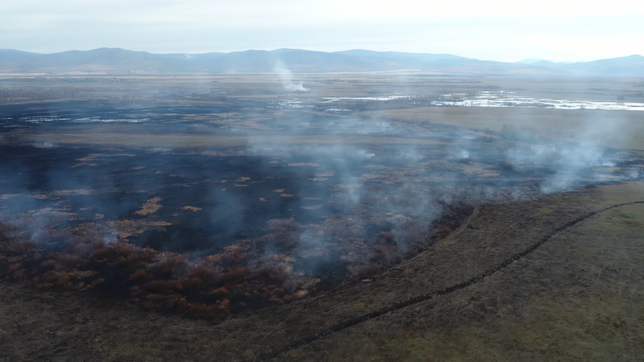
(278, 206)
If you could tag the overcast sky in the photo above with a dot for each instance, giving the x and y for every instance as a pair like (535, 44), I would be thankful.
(560, 30)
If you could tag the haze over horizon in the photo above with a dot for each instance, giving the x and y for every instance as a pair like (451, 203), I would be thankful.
(499, 30)
(525, 60)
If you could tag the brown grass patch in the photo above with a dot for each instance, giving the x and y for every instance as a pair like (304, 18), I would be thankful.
(150, 207)
(191, 208)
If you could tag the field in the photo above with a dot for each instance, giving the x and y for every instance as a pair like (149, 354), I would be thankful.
(392, 216)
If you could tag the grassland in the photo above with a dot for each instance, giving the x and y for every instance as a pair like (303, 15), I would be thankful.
(139, 92)
(552, 123)
(576, 297)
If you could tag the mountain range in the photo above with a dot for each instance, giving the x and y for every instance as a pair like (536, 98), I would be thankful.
(122, 62)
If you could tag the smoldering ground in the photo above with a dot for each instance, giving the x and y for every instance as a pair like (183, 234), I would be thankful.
(307, 201)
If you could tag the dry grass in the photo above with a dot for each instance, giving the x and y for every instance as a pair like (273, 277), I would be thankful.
(150, 207)
(187, 90)
(578, 297)
(560, 124)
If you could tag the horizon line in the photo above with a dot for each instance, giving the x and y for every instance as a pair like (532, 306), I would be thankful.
(317, 51)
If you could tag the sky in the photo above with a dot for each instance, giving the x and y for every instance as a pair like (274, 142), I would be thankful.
(563, 30)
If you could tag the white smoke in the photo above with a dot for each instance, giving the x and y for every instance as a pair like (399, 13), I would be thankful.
(287, 79)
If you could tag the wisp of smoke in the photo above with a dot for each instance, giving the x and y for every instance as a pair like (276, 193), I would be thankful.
(287, 79)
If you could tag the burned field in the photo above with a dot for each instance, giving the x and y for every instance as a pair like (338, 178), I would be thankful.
(284, 204)
(349, 221)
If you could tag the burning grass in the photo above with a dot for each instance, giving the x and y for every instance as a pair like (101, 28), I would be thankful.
(214, 286)
(309, 209)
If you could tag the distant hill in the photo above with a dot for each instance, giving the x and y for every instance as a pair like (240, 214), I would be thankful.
(631, 65)
(120, 61)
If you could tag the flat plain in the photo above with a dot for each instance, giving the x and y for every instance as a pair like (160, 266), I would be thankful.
(365, 217)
